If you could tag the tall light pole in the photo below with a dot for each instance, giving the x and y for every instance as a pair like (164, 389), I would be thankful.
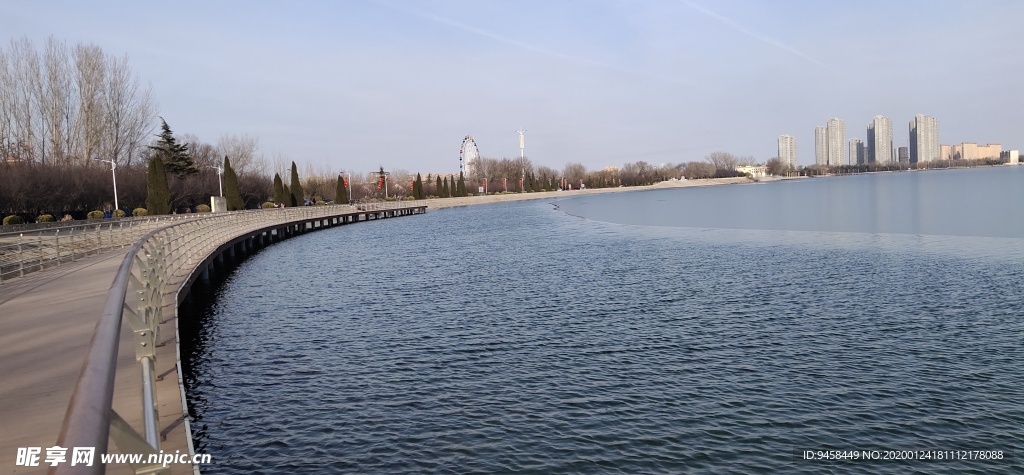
(522, 157)
(220, 178)
(113, 166)
(522, 142)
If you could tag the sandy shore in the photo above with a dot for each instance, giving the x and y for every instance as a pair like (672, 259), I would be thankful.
(439, 203)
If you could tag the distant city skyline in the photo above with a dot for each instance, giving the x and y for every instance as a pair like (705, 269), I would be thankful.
(923, 145)
(395, 83)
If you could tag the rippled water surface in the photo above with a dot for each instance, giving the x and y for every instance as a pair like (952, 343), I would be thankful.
(518, 338)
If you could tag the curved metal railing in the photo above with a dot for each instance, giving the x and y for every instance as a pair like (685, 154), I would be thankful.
(38, 249)
(159, 263)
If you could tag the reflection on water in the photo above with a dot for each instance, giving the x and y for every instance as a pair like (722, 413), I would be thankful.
(969, 202)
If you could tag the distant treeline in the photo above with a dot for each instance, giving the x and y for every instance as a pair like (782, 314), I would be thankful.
(66, 110)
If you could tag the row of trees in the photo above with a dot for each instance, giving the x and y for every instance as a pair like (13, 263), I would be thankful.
(69, 104)
(44, 187)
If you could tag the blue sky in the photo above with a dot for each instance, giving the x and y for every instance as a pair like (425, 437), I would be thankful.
(359, 84)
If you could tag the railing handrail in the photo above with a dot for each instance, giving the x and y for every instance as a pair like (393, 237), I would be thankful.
(87, 421)
(88, 418)
(11, 229)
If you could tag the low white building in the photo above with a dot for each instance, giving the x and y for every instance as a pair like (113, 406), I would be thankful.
(755, 171)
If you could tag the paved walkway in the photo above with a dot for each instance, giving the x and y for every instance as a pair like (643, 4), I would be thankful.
(46, 323)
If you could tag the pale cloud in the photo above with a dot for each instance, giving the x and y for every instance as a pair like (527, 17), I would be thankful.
(529, 47)
(755, 35)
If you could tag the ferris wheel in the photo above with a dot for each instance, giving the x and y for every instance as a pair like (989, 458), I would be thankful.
(469, 155)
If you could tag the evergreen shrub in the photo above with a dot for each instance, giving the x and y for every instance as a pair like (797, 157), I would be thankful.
(13, 219)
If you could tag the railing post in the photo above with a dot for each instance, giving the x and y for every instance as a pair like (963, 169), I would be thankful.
(57, 239)
(72, 244)
(40, 252)
(21, 258)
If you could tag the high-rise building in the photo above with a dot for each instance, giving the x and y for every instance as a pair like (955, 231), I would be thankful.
(924, 139)
(869, 148)
(820, 146)
(856, 152)
(836, 148)
(912, 145)
(880, 141)
(787, 150)
(904, 155)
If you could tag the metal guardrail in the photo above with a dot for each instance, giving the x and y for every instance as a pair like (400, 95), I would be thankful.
(157, 264)
(38, 249)
(33, 227)
(53, 244)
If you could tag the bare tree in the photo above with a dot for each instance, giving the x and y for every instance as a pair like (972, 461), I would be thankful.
(574, 172)
(129, 112)
(698, 170)
(89, 81)
(777, 167)
(243, 151)
(23, 65)
(668, 171)
(67, 105)
(722, 160)
(748, 160)
(281, 164)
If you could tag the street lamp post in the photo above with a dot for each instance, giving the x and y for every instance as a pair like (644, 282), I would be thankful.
(113, 166)
(220, 178)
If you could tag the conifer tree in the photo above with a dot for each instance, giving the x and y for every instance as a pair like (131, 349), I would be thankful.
(287, 196)
(418, 188)
(279, 194)
(437, 190)
(295, 188)
(174, 156)
(158, 195)
(232, 193)
(445, 191)
(340, 192)
(462, 186)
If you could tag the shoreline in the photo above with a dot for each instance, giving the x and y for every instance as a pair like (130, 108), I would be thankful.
(442, 203)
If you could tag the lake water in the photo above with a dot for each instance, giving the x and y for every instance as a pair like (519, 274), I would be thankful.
(701, 330)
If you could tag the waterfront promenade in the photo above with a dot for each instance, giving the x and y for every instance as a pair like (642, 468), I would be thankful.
(48, 318)
(47, 322)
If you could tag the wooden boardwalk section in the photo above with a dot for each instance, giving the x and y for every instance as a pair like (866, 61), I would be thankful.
(47, 320)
